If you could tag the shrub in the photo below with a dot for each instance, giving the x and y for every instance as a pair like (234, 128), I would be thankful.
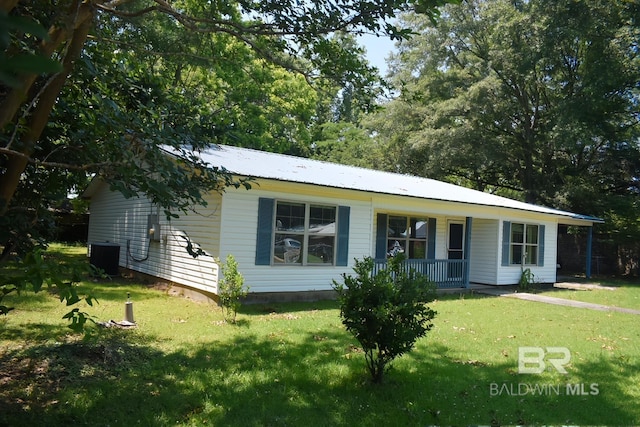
(231, 288)
(526, 279)
(386, 312)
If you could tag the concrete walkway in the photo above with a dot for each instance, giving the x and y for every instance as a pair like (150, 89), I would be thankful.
(583, 286)
(553, 300)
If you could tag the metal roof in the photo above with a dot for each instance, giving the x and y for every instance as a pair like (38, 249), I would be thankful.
(261, 164)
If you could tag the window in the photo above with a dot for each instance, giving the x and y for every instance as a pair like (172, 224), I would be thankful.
(304, 234)
(524, 244)
(407, 235)
(283, 228)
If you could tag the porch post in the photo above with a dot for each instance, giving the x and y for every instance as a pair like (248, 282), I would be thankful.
(467, 250)
(589, 243)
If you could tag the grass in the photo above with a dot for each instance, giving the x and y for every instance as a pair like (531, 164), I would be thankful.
(294, 364)
(625, 295)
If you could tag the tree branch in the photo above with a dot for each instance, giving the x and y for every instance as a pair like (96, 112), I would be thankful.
(281, 62)
(58, 165)
(111, 10)
(231, 27)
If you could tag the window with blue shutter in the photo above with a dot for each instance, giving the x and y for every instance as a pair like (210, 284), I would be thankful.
(415, 237)
(298, 233)
(541, 246)
(431, 239)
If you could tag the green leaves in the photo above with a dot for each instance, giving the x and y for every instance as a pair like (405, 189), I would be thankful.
(533, 100)
(40, 268)
(385, 310)
(12, 65)
(149, 78)
(77, 318)
(26, 64)
(231, 288)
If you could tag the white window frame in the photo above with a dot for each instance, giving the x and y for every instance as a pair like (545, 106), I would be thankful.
(408, 239)
(525, 246)
(305, 233)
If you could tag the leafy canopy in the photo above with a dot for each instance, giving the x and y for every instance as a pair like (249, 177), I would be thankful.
(105, 88)
(536, 100)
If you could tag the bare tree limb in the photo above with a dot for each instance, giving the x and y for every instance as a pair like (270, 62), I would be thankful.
(58, 165)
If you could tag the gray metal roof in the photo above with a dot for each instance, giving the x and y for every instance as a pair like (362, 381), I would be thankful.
(261, 164)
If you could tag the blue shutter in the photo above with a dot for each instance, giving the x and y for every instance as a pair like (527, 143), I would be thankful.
(381, 237)
(342, 250)
(540, 245)
(468, 225)
(265, 231)
(506, 240)
(431, 238)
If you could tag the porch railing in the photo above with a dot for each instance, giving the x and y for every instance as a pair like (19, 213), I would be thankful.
(446, 273)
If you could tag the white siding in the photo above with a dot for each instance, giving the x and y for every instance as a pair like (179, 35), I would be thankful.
(510, 275)
(228, 225)
(124, 221)
(116, 219)
(485, 247)
(486, 237)
(239, 228)
(441, 236)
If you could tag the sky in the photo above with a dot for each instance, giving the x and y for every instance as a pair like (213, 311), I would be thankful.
(378, 49)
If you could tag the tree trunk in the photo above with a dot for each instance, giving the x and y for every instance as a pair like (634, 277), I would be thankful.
(71, 20)
(528, 181)
(8, 5)
(16, 164)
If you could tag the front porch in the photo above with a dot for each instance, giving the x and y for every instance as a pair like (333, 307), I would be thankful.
(445, 273)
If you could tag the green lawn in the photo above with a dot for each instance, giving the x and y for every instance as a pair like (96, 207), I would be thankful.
(294, 364)
(626, 294)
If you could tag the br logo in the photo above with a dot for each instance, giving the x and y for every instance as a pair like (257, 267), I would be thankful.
(531, 360)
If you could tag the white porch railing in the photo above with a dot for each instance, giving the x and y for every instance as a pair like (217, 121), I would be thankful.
(445, 273)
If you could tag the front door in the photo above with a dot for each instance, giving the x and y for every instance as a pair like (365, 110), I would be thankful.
(455, 249)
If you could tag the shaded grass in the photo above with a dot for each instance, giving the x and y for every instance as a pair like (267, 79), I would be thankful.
(294, 364)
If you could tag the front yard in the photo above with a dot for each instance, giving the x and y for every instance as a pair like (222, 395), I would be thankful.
(294, 364)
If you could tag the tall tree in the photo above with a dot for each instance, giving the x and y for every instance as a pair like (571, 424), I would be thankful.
(136, 75)
(339, 135)
(534, 98)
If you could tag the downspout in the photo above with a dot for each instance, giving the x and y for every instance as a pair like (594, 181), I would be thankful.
(589, 243)
(467, 251)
